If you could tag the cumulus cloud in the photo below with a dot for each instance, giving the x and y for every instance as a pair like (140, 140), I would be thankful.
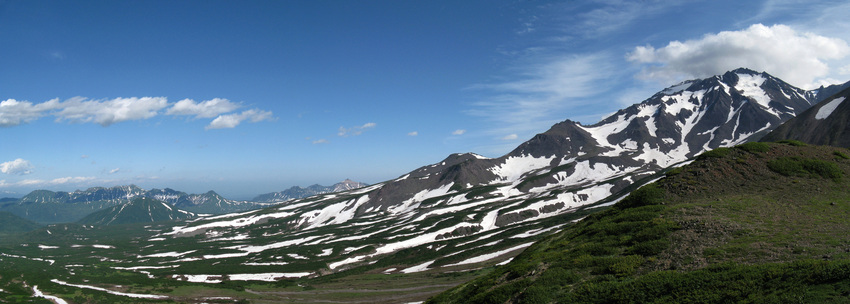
(113, 171)
(13, 112)
(205, 109)
(232, 120)
(414, 133)
(459, 132)
(510, 137)
(108, 112)
(799, 58)
(18, 167)
(356, 130)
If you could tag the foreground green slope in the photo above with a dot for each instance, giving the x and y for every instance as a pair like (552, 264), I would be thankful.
(756, 223)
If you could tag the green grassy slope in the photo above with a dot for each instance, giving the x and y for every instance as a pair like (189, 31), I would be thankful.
(10, 223)
(756, 223)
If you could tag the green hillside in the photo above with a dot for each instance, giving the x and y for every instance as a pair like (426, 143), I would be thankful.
(756, 223)
(10, 223)
(140, 210)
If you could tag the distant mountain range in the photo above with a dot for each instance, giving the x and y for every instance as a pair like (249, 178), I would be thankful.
(297, 192)
(47, 207)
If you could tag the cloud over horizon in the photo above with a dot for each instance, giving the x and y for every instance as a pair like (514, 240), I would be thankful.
(798, 58)
(111, 111)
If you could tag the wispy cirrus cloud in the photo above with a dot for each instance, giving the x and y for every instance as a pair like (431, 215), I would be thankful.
(597, 18)
(52, 182)
(510, 137)
(799, 58)
(356, 130)
(543, 92)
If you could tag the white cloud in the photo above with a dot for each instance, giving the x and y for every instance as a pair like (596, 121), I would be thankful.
(108, 112)
(70, 180)
(40, 183)
(205, 109)
(320, 141)
(18, 167)
(113, 171)
(798, 58)
(414, 133)
(233, 120)
(357, 130)
(13, 112)
(459, 132)
(510, 137)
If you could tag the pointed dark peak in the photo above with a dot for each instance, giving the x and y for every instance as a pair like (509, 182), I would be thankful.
(563, 138)
(745, 71)
(455, 159)
(682, 86)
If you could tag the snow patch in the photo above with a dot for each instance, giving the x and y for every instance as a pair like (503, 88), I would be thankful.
(38, 294)
(417, 268)
(514, 167)
(131, 295)
(485, 257)
(828, 108)
(267, 277)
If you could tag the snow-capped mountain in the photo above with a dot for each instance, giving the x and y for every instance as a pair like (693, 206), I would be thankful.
(826, 123)
(469, 209)
(296, 192)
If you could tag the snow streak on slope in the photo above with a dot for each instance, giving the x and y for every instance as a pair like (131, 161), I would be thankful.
(828, 108)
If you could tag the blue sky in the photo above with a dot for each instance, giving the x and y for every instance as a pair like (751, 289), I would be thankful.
(250, 97)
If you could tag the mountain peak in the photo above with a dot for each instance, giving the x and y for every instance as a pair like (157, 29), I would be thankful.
(745, 71)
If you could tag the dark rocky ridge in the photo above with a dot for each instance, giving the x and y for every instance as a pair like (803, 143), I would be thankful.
(833, 130)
